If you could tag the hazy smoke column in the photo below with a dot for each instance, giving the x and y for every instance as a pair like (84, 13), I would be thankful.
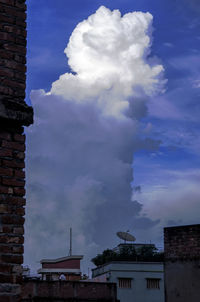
(80, 148)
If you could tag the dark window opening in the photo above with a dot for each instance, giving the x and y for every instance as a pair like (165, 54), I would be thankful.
(153, 283)
(124, 282)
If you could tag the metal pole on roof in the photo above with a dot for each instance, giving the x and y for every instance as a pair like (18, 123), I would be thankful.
(70, 249)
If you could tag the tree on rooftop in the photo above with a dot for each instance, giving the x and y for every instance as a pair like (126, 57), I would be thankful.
(128, 253)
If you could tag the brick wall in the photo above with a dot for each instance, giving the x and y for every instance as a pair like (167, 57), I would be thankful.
(68, 291)
(182, 263)
(13, 49)
(182, 242)
(14, 114)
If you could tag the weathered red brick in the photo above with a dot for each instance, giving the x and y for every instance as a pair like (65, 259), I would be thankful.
(20, 211)
(7, 172)
(15, 65)
(18, 230)
(6, 55)
(15, 239)
(18, 279)
(13, 145)
(12, 219)
(7, 229)
(20, 23)
(11, 83)
(19, 191)
(19, 173)
(19, 93)
(9, 28)
(18, 249)
(7, 36)
(15, 48)
(8, 2)
(21, 17)
(3, 238)
(6, 190)
(13, 182)
(19, 138)
(6, 249)
(7, 19)
(20, 4)
(5, 135)
(11, 209)
(5, 279)
(12, 11)
(20, 40)
(15, 30)
(21, 32)
(13, 200)
(5, 268)
(4, 209)
(13, 163)
(6, 90)
(8, 239)
(5, 152)
(12, 259)
(20, 76)
(20, 59)
(19, 155)
(6, 298)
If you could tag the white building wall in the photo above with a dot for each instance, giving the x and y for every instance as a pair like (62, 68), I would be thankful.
(138, 272)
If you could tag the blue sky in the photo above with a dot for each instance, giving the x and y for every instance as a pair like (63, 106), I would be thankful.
(166, 168)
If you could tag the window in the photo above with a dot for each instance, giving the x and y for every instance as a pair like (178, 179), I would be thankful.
(153, 283)
(124, 282)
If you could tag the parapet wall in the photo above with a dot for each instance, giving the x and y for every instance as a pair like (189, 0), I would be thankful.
(81, 291)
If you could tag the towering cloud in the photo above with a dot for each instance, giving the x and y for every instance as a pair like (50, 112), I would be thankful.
(87, 127)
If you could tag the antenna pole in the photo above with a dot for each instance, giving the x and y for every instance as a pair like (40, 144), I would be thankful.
(70, 250)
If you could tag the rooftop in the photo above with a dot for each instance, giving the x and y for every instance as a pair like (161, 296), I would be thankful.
(73, 257)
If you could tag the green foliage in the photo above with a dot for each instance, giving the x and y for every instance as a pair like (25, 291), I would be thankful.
(146, 253)
(128, 253)
(106, 256)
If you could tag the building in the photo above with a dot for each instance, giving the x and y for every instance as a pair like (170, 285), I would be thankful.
(136, 280)
(182, 263)
(68, 266)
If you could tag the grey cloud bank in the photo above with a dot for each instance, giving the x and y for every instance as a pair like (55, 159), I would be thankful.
(86, 130)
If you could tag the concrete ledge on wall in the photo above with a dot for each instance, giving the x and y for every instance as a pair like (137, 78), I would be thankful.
(12, 111)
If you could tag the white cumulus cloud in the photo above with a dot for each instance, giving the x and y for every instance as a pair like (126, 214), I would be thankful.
(108, 54)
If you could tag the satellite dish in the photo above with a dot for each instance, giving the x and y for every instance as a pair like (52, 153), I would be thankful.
(126, 236)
